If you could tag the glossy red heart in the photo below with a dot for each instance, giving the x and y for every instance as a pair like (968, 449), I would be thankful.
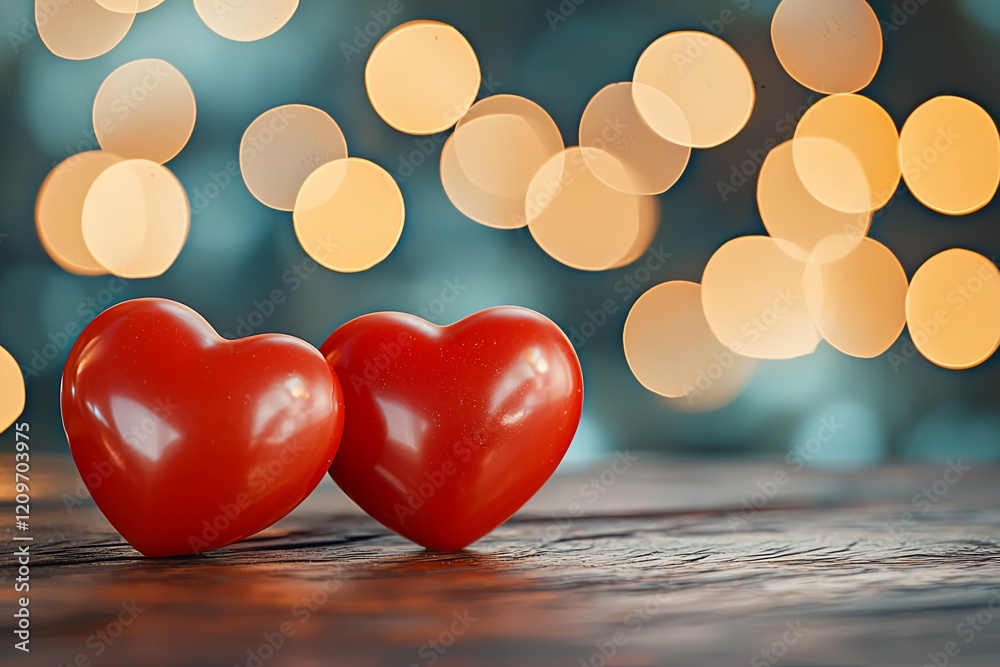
(189, 442)
(450, 430)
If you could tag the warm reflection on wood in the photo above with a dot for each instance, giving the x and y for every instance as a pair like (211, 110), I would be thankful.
(714, 579)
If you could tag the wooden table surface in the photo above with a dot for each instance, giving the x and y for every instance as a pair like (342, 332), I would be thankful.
(660, 567)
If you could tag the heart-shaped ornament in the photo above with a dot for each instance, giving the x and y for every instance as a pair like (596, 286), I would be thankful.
(189, 442)
(450, 430)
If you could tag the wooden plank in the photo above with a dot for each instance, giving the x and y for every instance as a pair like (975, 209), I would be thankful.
(661, 569)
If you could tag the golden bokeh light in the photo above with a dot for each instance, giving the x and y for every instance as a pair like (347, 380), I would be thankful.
(59, 210)
(474, 202)
(753, 299)
(82, 29)
(145, 110)
(953, 309)
(580, 221)
(858, 301)
(950, 155)
(349, 215)
(669, 346)
(516, 137)
(128, 6)
(703, 78)
(246, 20)
(510, 139)
(862, 127)
(282, 147)
(716, 391)
(12, 393)
(612, 123)
(136, 219)
(422, 77)
(649, 225)
(830, 46)
(790, 213)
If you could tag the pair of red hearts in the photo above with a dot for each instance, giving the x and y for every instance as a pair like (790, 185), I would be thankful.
(198, 442)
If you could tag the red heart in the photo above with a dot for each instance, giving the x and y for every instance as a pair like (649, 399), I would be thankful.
(450, 430)
(189, 442)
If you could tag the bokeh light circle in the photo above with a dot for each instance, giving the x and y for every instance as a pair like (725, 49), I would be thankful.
(868, 133)
(790, 212)
(422, 77)
(503, 141)
(612, 123)
(59, 210)
(82, 29)
(246, 20)
(830, 46)
(474, 202)
(127, 6)
(753, 299)
(146, 110)
(282, 147)
(859, 300)
(581, 222)
(711, 394)
(136, 219)
(12, 394)
(950, 155)
(953, 309)
(705, 78)
(669, 346)
(349, 215)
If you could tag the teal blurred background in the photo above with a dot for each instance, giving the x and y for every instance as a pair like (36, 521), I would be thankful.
(558, 54)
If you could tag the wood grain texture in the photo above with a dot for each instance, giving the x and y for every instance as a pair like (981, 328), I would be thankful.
(658, 565)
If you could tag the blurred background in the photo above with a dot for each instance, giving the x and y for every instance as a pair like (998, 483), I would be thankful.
(827, 409)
